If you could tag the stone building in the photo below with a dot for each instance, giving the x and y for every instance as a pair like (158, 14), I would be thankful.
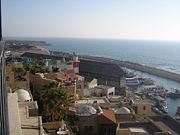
(142, 107)
(92, 119)
(92, 122)
(100, 91)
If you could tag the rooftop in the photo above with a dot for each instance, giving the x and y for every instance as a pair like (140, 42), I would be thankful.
(137, 130)
(122, 110)
(30, 125)
(99, 100)
(107, 117)
(167, 123)
(103, 87)
(101, 68)
(141, 102)
(146, 126)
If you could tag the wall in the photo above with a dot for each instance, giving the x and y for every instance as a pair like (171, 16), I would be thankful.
(142, 108)
(88, 125)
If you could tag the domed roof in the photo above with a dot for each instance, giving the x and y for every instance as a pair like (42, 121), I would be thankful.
(86, 110)
(123, 110)
(23, 95)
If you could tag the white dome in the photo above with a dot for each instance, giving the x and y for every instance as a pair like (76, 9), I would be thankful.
(123, 110)
(23, 95)
(86, 110)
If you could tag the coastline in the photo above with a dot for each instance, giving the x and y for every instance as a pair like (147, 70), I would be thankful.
(136, 66)
(15, 44)
(131, 65)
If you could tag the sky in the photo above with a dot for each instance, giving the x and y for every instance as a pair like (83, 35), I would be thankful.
(118, 19)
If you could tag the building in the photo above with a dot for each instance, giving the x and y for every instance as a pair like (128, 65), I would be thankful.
(100, 91)
(123, 114)
(105, 73)
(92, 83)
(93, 120)
(24, 118)
(70, 81)
(142, 107)
(138, 128)
(167, 124)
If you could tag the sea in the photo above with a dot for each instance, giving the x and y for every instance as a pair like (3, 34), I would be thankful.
(160, 54)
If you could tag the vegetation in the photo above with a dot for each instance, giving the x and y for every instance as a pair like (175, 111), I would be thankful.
(35, 68)
(38, 69)
(18, 70)
(56, 102)
(19, 73)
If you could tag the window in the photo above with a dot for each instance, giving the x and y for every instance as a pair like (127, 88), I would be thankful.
(144, 108)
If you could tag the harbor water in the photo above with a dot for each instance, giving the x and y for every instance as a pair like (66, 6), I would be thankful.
(172, 103)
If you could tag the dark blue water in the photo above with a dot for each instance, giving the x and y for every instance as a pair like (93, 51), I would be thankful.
(165, 55)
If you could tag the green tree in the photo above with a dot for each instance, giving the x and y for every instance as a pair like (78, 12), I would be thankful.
(56, 103)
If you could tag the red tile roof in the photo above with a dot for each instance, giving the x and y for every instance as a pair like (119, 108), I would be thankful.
(108, 117)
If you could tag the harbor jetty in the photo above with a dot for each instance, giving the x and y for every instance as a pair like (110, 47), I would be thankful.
(131, 65)
(135, 66)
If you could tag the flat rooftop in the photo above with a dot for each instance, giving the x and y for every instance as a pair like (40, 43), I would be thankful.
(103, 87)
(29, 125)
(137, 130)
(141, 102)
(149, 127)
(167, 123)
(92, 100)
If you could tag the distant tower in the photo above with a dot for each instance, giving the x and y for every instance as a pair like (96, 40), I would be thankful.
(76, 64)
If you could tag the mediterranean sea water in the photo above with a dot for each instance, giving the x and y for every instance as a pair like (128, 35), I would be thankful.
(159, 54)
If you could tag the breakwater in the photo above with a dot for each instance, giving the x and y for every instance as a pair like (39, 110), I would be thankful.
(131, 65)
(136, 66)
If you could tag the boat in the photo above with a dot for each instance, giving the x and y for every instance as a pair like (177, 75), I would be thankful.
(147, 81)
(177, 116)
(163, 106)
(178, 110)
(132, 81)
(175, 94)
(156, 89)
(130, 74)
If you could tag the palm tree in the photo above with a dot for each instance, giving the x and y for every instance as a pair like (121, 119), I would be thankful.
(56, 102)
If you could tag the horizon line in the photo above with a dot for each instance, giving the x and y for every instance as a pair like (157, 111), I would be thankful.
(105, 38)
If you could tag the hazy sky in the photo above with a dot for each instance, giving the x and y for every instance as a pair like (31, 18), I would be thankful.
(124, 19)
